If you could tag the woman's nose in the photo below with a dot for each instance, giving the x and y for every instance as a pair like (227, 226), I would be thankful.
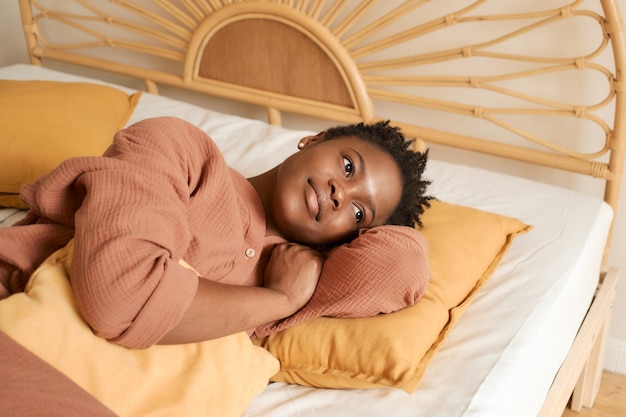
(337, 193)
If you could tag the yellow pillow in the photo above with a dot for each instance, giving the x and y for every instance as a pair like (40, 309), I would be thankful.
(45, 122)
(465, 246)
(214, 378)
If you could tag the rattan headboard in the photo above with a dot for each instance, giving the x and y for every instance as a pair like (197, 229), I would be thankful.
(534, 81)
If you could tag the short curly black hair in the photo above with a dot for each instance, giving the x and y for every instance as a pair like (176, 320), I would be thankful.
(414, 200)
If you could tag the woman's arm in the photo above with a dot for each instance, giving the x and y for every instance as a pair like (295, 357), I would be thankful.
(132, 228)
(219, 310)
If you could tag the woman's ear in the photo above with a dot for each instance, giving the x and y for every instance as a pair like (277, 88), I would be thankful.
(311, 140)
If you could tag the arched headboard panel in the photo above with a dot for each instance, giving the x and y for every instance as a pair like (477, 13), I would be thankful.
(311, 75)
(304, 66)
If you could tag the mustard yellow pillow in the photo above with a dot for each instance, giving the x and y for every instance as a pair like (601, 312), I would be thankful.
(465, 246)
(214, 378)
(46, 122)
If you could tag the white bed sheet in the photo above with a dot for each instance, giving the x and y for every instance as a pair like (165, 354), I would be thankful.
(500, 358)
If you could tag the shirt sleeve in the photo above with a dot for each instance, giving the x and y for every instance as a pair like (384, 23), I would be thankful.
(132, 229)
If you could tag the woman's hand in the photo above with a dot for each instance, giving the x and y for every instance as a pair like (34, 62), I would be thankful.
(294, 270)
(219, 309)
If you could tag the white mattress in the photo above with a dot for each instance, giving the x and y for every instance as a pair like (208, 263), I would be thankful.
(501, 357)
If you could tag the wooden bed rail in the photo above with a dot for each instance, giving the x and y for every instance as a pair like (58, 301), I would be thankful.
(579, 377)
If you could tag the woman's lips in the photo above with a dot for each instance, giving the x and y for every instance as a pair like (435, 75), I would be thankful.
(312, 200)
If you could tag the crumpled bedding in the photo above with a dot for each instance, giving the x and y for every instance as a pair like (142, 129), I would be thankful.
(33, 387)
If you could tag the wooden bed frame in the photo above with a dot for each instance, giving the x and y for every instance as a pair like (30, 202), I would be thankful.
(369, 60)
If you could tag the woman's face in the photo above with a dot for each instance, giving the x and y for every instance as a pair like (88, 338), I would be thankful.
(330, 189)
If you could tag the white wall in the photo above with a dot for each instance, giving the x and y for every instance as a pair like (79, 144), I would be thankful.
(12, 44)
(13, 50)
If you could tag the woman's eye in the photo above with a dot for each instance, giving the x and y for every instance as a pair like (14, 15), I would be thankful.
(347, 165)
(358, 214)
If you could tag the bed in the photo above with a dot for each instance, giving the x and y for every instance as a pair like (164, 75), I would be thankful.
(536, 83)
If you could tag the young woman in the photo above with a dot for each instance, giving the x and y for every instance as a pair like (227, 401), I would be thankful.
(162, 198)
